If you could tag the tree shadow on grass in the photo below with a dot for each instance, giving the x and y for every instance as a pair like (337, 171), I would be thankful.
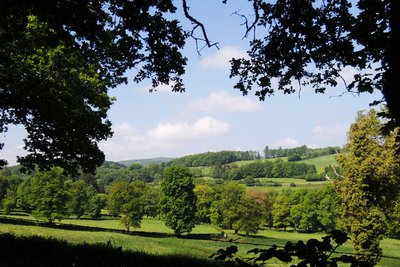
(219, 237)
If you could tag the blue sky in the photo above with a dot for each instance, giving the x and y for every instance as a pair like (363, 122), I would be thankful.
(211, 115)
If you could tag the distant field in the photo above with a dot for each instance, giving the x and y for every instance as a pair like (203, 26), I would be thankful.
(158, 239)
(245, 162)
(311, 185)
(267, 183)
(321, 162)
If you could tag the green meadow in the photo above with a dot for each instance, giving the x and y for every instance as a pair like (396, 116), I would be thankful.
(320, 162)
(155, 238)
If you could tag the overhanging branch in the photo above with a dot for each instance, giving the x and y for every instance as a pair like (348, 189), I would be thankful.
(197, 24)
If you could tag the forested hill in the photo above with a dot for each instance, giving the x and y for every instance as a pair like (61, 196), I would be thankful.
(214, 158)
(145, 162)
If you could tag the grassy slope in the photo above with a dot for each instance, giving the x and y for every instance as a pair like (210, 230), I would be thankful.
(159, 241)
(321, 162)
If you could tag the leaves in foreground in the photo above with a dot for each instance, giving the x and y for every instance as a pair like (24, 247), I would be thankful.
(312, 253)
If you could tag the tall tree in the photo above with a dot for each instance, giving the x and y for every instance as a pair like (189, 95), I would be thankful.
(49, 195)
(225, 209)
(370, 183)
(178, 200)
(83, 199)
(128, 200)
(248, 214)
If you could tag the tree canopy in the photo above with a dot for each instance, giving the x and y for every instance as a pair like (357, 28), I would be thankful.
(58, 60)
(310, 43)
(370, 184)
(178, 200)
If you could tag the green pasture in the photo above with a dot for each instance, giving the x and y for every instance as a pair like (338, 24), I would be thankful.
(245, 162)
(286, 182)
(267, 183)
(321, 162)
(154, 238)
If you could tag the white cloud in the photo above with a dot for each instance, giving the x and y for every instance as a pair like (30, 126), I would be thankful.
(223, 102)
(165, 139)
(220, 60)
(203, 127)
(162, 89)
(287, 142)
(330, 132)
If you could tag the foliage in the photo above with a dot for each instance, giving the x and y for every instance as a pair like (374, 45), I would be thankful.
(8, 191)
(49, 195)
(370, 183)
(206, 195)
(300, 153)
(303, 43)
(214, 158)
(227, 204)
(127, 199)
(145, 162)
(248, 215)
(110, 172)
(259, 169)
(281, 211)
(178, 201)
(83, 199)
(58, 61)
(313, 253)
(152, 195)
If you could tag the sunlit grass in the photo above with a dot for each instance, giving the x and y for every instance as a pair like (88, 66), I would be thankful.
(321, 162)
(196, 245)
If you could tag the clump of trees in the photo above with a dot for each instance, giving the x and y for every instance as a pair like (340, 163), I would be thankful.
(127, 199)
(231, 206)
(50, 196)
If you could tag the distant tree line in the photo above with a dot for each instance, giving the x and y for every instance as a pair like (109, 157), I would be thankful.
(214, 158)
(300, 153)
(271, 169)
(110, 172)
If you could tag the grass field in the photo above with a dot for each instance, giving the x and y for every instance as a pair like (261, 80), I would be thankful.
(245, 162)
(154, 238)
(286, 182)
(321, 162)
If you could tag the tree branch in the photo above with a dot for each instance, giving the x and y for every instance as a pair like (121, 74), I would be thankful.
(197, 24)
(256, 8)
